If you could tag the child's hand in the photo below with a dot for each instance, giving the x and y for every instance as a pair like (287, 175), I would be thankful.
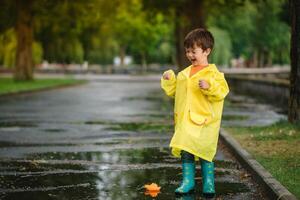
(203, 84)
(166, 76)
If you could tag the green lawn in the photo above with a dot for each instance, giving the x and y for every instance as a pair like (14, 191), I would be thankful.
(277, 148)
(7, 85)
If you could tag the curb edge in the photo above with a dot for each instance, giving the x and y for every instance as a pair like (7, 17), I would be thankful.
(273, 188)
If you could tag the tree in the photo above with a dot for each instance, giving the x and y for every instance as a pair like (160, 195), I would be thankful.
(24, 29)
(271, 32)
(187, 14)
(150, 33)
(257, 30)
(221, 53)
(61, 35)
(23, 15)
(294, 100)
(191, 14)
(138, 32)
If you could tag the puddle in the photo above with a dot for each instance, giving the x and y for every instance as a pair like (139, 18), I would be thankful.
(134, 126)
(145, 116)
(245, 111)
(7, 144)
(54, 130)
(161, 101)
(109, 152)
(11, 124)
(234, 117)
(124, 156)
(147, 155)
(107, 185)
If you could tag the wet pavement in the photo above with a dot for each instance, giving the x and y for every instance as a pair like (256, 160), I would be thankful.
(106, 140)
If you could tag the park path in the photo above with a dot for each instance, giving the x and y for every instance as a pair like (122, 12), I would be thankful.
(103, 140)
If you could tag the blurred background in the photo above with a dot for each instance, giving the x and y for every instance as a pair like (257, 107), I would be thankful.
(140, 36)
(100, 139)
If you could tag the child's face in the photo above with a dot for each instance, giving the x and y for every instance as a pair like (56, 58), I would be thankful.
(197, 56)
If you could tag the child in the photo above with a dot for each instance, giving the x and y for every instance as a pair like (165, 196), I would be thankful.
(199, 92)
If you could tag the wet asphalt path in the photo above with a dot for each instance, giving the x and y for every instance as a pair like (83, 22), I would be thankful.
(92, 142)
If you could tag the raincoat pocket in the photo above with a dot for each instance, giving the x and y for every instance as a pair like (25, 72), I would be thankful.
(197, 119)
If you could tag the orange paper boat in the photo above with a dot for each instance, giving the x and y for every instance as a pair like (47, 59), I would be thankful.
(152, 187)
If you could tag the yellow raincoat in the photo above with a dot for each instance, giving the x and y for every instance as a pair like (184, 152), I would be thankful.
(197, 112)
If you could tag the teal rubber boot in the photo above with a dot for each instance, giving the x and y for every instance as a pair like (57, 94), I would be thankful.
(208, 179)
(188, 172)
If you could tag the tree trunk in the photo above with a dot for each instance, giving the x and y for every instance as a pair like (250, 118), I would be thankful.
(270, 59)
(261, 59)
(294, 100)
(24, 29)
(254, 62)
(189, 16)
(144, 63)
(122, 57)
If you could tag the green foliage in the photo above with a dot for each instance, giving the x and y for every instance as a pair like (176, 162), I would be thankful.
(221, 53)
(7, 14)
(153, 39)
(60, 35)
(272, 34)
(8, 45)
(142, 33)
(37, 53)
(238, 23)
(254, 26)
(96, 30)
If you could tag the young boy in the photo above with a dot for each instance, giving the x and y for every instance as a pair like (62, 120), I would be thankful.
(199, 92)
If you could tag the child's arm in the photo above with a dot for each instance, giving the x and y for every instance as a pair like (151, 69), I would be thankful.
(168, 83)
(218, 88)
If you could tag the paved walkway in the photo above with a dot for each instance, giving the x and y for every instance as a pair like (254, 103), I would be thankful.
(80, 143)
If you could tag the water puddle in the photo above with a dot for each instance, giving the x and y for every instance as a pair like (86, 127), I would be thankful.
(54, 130)
(245, 111)
(135, 126)
(13, 124)
(110, 152)
(107, 185)
(125, 156)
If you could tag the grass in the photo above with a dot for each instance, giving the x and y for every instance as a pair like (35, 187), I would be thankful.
(9, 86)
(277, 148)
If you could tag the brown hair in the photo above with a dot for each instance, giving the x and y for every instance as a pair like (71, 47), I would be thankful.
(199, 37)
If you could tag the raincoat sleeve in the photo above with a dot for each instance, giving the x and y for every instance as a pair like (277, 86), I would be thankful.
(169, 86)
(218, 87)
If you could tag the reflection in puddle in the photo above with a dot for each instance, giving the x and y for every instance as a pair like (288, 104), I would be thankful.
(156, 127)
(132, 156)
(106, 175)
(245, 111)
(54, 130)
(105, 184)
(16, 124)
